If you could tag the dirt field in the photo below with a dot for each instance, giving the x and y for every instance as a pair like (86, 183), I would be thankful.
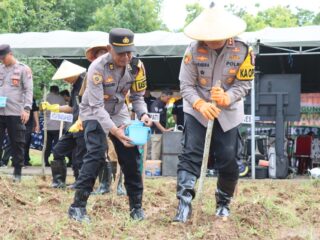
(265, 209)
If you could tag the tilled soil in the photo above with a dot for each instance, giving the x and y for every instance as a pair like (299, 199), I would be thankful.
(264, 209)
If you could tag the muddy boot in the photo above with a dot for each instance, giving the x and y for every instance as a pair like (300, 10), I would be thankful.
(223, 202)
(224, 194)
(105, 178)
(135, 203)
(59, 174)
(120, 189)
(185, 193)
(17, 174)
(76, 175)
(77, 210)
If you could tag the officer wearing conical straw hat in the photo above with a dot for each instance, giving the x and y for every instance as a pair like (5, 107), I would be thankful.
(69, 143)
(215, 56)
(95, 51)
(72, 142)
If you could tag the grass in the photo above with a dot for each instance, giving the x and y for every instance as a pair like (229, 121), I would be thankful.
(265, 209)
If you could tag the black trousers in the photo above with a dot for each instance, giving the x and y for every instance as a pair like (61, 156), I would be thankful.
(70, 144)
(130, 163)
(6, 153)
(94, 159)
(52, 139)
(223, 149)
(27, 146)
(16, 131)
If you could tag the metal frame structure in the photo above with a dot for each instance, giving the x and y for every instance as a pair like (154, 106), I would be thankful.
(287, 52)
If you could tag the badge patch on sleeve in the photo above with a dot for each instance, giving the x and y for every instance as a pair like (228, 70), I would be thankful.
(246, 70)
(187, 58)
(29, 72)
(140, 81)
(139, 85)
(97, 78)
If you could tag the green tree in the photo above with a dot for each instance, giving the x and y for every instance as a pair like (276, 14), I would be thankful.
(238, 11)
(278, 16)
(253, 23)
(35, 15)
(316, 20)
(42, 72)
(137, 15)
(304, 16)
(84, 11)
(193, 11)
(12, 16)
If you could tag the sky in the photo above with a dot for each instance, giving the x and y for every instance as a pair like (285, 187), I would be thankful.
(174, 13)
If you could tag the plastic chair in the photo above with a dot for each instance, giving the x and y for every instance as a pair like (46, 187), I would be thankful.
(303, 153)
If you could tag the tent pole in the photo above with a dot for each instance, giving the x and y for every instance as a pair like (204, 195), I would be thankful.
(45, 135)
(253, 126)
(253, 123)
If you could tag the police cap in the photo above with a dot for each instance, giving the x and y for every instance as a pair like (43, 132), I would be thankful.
(121, 40)
(4, 50)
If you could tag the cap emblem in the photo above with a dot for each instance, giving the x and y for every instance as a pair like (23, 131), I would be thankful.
(125, 40)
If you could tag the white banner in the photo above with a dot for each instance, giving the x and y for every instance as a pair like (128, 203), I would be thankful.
(64, 117)
(248, 119)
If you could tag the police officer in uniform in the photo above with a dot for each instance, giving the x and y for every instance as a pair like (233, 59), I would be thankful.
(103, 111)
(105, 173)
(16, 89)
(215, 56)
(70, 142)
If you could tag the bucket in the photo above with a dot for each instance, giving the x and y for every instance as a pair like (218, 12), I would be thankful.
(138, 133)
(261, 172)
(3, 102)
(136, 123)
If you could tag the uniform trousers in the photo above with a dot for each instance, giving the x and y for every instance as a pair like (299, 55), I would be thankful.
(223, 149)
(71, 143)
(96, 144)
(52, 139)
(16, 131)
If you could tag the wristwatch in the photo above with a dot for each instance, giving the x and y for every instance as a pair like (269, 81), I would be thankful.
(27, 109)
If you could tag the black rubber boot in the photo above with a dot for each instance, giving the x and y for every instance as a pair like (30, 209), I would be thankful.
(223, 201)
(105, 178)
(120, 189)
(136, 211)
(76, 175)
(17, 174)
(59, 174)
(77, 210)
(2, 164)
(224, 194)
(185, 193)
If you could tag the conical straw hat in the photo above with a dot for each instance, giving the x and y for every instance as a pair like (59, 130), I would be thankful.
(215, 24)
(90, 52)
(68, 69)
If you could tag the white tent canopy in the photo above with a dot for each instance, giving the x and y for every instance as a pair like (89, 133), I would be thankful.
(308, 36)
(59, 44)
(73, 44)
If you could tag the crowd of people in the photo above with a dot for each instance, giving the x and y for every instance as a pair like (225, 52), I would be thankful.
(98, 103)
